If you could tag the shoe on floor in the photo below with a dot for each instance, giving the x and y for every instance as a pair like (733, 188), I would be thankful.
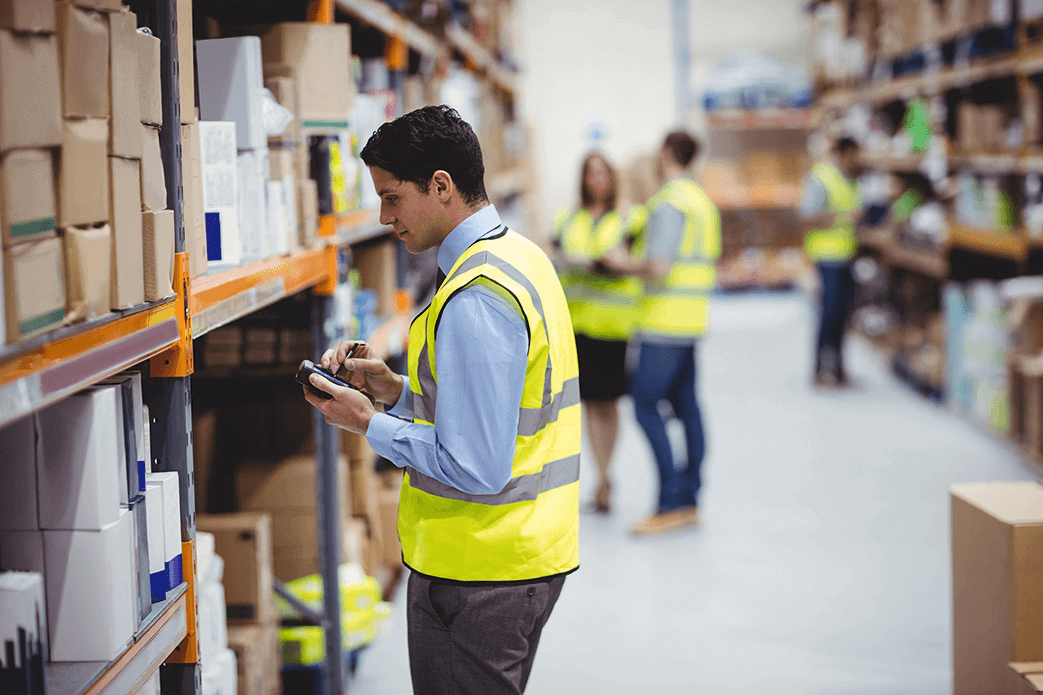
(663, 522)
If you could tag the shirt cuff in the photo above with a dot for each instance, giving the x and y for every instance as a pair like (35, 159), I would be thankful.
(381, 434)
(403, 407)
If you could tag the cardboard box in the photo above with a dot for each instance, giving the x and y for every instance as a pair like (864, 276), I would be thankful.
(997, 529)
(83, 58)
(219, 154)
(289, 484)
(194, 222)
(88, 271)
(151, 93)
(78, 473)
(23, 631)
(30, 97)
(1024, 678)
(257, 657)
(320, 57)
(34, 288)
(100, 5)
(21, 447)
(157, 544)
(244, 541)
(168, 483)
(83, 180)
(284, 89)
(186, 59)
(93, 605)
(27, 205)
(128, 266)
(153, 178)
(158, 230)
(231, 84)
(308, 211)
(124, 86)
(28, 16)
(377, 265)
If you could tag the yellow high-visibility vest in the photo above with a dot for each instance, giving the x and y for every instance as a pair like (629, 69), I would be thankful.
(601, 306)
(530, 529)
(678, 306)
(842, 196)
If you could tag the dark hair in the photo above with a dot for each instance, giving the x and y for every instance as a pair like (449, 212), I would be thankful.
(585, 196)
(683, 148)
(414, 146)
(846, 144)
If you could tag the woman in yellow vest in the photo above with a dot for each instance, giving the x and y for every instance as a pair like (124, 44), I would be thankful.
(831, 205)
(601, 304)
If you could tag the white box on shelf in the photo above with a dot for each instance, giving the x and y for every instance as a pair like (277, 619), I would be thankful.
(78, 473)
(143, 583)
(91, 591)
(22, 551)
(23, 630)
(224, 247)
(213, 623)
(253, 212)
(220, 675)
(134, 424)
(20, 447)
(157, 548)
(168, 482)
(231, 86)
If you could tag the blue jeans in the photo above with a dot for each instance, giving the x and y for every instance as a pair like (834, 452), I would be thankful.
(838, 293)
(667, 372)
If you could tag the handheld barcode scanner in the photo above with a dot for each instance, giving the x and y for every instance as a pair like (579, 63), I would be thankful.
(308, 368)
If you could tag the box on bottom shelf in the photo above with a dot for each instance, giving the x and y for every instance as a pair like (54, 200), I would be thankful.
(258, 656)
(170, 494)
(23, 633)
(219, 674)
(244, 541)
(91, 592)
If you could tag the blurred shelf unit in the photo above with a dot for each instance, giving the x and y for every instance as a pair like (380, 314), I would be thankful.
(947, 100)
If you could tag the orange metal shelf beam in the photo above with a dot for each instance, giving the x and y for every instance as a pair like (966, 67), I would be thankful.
(299, 271)
(60, 351)
(989, 241)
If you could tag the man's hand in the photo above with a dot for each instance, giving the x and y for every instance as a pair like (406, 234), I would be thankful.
(347, 409)
(364, 371)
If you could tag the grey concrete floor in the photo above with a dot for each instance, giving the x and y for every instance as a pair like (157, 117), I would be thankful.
(821, 565)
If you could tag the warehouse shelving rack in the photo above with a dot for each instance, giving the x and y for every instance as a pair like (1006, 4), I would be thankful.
(40, 372)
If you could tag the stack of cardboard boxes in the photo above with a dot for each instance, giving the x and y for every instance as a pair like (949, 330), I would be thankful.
(244, 542)
(307, 67)
(30, 139)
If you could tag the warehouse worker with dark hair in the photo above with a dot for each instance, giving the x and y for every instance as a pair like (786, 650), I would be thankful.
(830, 208)
(602, 306)
(676, 257)
(486, 424)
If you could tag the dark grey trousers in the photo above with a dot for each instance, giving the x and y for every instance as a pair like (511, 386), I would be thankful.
(475, 640)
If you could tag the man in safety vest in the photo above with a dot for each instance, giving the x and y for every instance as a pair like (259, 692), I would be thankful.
(830, 209)
(676, 257)
(486, 424)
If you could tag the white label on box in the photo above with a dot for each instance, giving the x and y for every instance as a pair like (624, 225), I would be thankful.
(78, 476)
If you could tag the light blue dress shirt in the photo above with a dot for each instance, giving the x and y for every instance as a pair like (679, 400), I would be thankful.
(481, 351)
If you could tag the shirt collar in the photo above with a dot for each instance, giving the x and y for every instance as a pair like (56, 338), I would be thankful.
(466, 233)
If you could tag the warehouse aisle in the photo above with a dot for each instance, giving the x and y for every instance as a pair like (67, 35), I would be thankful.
(821, 565)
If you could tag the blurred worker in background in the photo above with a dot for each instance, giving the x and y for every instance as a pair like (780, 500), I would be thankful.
(830, 208)
(675, 256)
(486, 424)
(602, 305)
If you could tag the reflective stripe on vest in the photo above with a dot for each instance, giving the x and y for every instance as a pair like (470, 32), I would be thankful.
(530, 528)
(839, 243)
(678, 306)
(601, 306)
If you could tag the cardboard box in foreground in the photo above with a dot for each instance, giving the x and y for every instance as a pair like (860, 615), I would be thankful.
(997, 534)
(244, 541)
(34, 288)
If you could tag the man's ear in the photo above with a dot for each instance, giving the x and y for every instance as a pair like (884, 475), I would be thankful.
(443, 185)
